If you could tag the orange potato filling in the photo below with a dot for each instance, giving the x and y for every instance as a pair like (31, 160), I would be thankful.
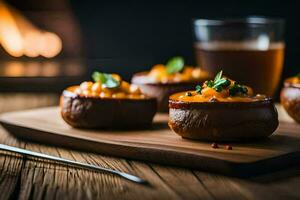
(292, 80)
(159, 73)
(96, 89)
(209, 94)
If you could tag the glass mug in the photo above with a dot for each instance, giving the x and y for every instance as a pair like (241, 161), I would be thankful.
(249, 50)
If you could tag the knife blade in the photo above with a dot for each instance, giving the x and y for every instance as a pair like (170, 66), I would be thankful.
(72, 162)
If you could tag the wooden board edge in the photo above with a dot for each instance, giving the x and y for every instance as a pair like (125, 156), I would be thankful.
(184, 160)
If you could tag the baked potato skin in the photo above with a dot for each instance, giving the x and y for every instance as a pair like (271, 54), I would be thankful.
(162, 91)
(223, 122)
(88, 112)
(290, 100)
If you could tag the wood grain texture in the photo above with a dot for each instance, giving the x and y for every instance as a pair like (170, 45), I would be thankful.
(17, 101)
(27, 178)
(160, 144)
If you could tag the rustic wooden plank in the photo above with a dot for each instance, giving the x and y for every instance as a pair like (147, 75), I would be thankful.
(159, 145)
(31, 179)
(18, 101)
(156, 191)
(159, 189)
(41, 179)
(44, 180)
(10, 167)
(235, 188)
(38, 179)
(282, 182)
(182, 182)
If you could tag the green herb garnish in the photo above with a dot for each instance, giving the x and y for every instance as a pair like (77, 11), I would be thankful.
(209, 83)
(298, 75)
(198, 89)
(175, 65)
(218, 77)
(106, 79)
(237, 89)
(218, 83)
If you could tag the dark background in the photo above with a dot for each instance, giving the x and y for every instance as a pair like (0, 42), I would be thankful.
(130, 36)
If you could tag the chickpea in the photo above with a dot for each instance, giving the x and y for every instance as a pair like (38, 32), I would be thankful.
(158, 67)
(87, 93)
(87, 85)
(186, 77)
(78, 90)
(136, 96)
(164, 79)
(105, 89)
(133, 96)
(125, 86)
(158, 72)
(94, 94)
(294, 80)
(119, 95)
(178, 77)
(188, 70)
(134, 89)
(105, 95)
(117, 77)
(196, 73)
(96, 88)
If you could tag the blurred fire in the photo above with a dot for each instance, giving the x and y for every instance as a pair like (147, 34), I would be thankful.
(19, 37)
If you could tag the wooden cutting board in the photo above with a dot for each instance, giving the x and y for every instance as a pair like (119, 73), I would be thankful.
(160, 145)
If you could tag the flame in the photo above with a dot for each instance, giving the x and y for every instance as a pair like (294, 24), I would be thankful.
(19, 37)
(50, 45)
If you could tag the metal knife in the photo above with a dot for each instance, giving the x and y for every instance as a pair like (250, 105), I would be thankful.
(72, 162)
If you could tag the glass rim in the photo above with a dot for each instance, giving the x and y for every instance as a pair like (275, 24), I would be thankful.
(251, 20)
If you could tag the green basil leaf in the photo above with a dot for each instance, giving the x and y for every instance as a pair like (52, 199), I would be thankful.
(198, 89)
(98, 77)
(220, 82)
(175, 65)
(223, 82)
(298, 75)
(106, 79)
(218, 76)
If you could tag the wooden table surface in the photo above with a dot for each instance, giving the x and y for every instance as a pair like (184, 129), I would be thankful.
(27, 178)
